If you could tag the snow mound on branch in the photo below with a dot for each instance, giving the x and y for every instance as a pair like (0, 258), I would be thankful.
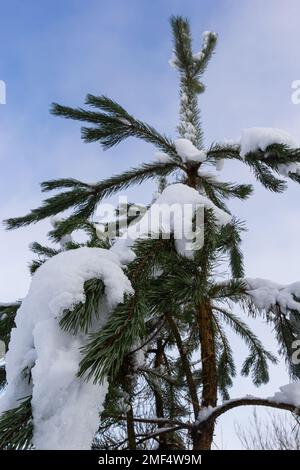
(188, 152)
(65, 407)
(265, 294)
(289, 394)
(284, 170)
(172, 212)
(256, 138)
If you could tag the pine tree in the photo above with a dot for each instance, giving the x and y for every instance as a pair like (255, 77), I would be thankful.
(178, 315)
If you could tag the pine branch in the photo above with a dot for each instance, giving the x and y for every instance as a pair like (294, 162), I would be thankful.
(286, 333)
(105, 352)
(234, 290)
(41, 250)
(2, 377)
(229, 241)
(257, 360)
(16, 427)
(190, 68)
(226, 365)
(85, 200)
(185, 364)
(7, 321)
(265, 176)
(248, 401)
(224, 151)
(113, 125)
(80, 317)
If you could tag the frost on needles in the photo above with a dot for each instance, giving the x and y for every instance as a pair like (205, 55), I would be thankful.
(122, 340)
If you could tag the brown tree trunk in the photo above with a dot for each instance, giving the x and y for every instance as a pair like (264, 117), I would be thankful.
(203, 436)
(159, 404)
(130, 429)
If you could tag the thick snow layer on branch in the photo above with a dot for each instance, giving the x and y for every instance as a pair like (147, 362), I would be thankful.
(65, 407)
(206, 37)
(266, 294)
(256, 138)
(172, 212)
(188, 152)
(260, 137)
(289, 394)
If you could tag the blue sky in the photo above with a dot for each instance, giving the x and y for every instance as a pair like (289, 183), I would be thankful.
(60, 50)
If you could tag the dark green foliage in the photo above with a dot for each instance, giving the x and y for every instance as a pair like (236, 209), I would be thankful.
(2, 376)
(84, 201)
(286, 328)
(16, 427)
(43, 252)
(256, 362)
(113, 124)
(229, 241)
(7, 321)
(225, 362)
(80, 318)
(106, 351)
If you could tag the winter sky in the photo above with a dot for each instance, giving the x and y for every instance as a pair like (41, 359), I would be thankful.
(58, 50)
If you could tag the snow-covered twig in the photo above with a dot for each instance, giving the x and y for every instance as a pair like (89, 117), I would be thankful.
(209, 415)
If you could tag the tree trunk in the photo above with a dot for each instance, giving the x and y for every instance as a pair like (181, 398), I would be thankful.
(130, 429)
(203, 437)
(159, 404)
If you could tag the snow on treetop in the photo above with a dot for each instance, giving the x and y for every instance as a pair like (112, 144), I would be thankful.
(172, 212)
(188, 152)
(65, 408)
(205, 36)
(266, 294)
(256, 138)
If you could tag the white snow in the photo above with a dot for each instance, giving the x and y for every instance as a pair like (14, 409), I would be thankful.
(172, 212)
(188, 152)
(206, 174)
(139, 358)
(265, 294)
(260, 137)
(162, 157)
(284, 170)
(205, 413)
(206, 35)
(124, 121)
(219, 164)
(65, 408)
(289, 393)
(256, 138)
